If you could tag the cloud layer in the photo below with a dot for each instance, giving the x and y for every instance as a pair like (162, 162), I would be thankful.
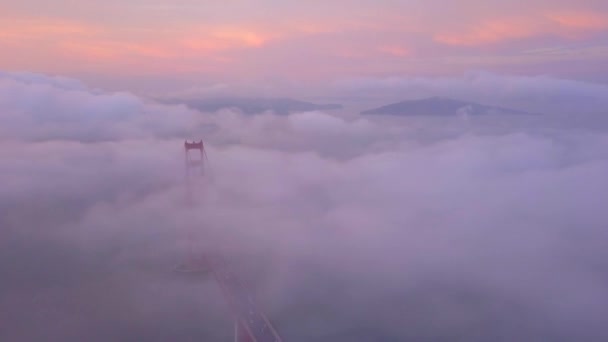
(348, 229)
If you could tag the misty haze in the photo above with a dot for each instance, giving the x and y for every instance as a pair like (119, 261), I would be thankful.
(368, 171)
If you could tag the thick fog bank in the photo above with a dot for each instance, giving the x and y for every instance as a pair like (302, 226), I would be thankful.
(351, 229)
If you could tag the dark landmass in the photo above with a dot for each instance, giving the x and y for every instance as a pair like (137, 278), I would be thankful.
(439, 106)
(281, 106)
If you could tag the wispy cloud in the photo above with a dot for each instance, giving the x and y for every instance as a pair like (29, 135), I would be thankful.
(580, 19)
(299, 42)
(564, 24)
(491, 31)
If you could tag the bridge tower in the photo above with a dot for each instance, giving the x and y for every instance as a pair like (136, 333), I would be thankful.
(194, 163)
(250, 323)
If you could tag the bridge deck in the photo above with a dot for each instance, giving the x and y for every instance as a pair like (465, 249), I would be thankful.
(257, 326)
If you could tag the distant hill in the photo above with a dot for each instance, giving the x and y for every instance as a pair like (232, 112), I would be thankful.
(281, 106)
(439, 106)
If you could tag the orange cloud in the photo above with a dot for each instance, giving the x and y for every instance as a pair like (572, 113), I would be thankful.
(564, 24)
(71, 45)
(209, 40)
(244, 37)
(31, 29)
(489, 32)
(580, 20)
(395, 50)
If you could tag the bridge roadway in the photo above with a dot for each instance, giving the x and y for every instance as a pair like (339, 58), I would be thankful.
(256, 325)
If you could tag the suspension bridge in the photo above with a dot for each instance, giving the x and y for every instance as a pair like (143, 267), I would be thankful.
(250, 322)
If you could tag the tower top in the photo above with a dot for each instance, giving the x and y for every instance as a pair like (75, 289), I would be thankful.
(194, 145)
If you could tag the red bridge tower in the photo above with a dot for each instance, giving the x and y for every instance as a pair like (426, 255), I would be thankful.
(251, 324)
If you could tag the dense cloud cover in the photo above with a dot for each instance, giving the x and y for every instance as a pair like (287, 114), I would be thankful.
(349, 229)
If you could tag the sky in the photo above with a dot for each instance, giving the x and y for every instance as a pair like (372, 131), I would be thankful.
(347, 227)
(161, 46)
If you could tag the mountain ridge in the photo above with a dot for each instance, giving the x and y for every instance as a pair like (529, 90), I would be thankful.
(440, 106)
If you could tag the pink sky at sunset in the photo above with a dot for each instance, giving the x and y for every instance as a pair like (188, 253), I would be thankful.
(310, 170)
(305, 41)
